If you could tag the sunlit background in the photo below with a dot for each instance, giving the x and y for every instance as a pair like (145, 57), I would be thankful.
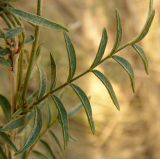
(132, 133)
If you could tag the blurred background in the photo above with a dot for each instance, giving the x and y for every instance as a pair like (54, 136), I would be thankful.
(132, 133)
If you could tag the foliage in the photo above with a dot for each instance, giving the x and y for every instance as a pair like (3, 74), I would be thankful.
(24, 109)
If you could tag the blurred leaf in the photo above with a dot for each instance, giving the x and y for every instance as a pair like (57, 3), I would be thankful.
(6, 107)
(43, 82)
(53, 72)
(86, 104)
(57, 141)
(35, 19)
(128, 68)
(6, 139)
(35, 132)
(63, 118)
(119, 34)
(108, 86)
(5, 62)
(145, 28)
(13, 32)
(71, 56)
(4, 51)
(141, 53)
(29, 40)
(32, 97)
(48, 149)
(49, 114)
(13, 124)
(75, 110)
(2, 154)
(39, 155)
(101, 49)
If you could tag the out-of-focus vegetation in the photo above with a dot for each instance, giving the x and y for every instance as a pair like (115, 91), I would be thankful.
(133, 132)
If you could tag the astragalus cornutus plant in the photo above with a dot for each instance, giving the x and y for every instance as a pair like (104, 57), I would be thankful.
(26, 108)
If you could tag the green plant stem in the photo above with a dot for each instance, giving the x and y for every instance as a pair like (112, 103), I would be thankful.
(77, 77)
(34, 48)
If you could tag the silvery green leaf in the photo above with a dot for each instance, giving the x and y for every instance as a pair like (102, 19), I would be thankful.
(101, 49)
(71, 56)
(141, 53)
(35, 19)
(42, 82)
(119, 34)
(86, 104)
(63, 118)
(35, 132)
(109, 87)
(127, 67)
(6, 107)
